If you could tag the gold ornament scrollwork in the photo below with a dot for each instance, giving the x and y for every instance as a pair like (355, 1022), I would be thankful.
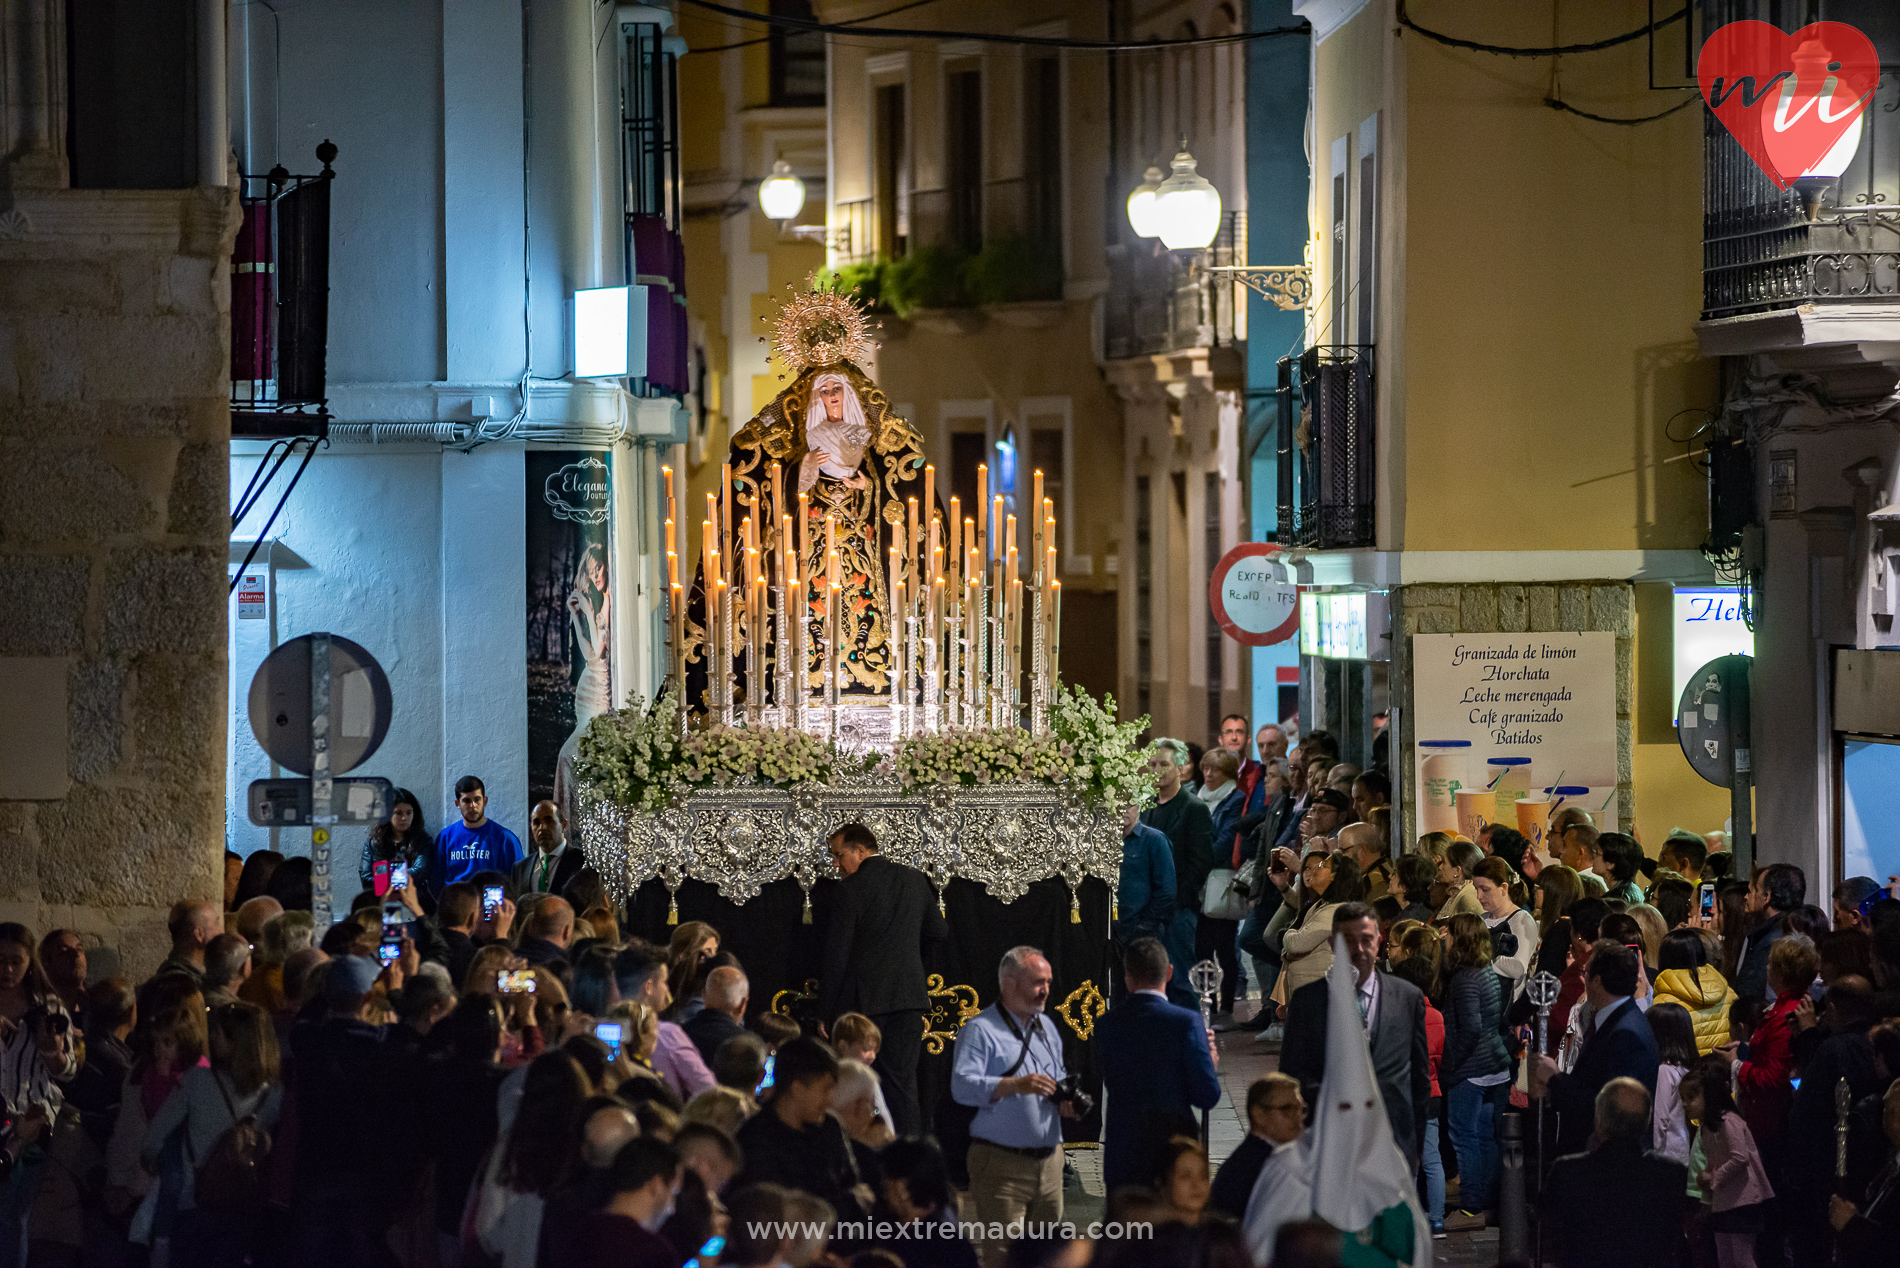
(1080, 1009)
(782, 1002)
(950, 1007)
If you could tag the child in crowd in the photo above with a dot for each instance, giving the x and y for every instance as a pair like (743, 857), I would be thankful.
(857, 1037)
(1675, 1046)
(1733, 1182)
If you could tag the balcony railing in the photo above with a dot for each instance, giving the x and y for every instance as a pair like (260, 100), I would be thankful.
(280, 302)
(1326, 459)
(1157, 303)
(1760, 252)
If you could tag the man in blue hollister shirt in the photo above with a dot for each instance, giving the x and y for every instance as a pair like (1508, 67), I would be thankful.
(474, 843)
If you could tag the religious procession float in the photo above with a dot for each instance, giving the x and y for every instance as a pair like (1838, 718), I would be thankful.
(845, 647)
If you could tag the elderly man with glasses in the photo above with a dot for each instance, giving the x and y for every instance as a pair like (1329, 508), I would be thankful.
(1276, 1114)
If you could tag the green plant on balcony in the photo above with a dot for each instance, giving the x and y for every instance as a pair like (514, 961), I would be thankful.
(1014, 270)
(927, 277)
(1007, 270)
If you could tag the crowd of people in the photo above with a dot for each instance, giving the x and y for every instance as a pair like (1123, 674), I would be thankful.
(477, 1065)
(1703, 1026)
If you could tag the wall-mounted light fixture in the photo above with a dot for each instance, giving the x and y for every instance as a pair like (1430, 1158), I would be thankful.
(610, 332)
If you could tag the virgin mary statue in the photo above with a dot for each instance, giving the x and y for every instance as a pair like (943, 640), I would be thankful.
(833, 438)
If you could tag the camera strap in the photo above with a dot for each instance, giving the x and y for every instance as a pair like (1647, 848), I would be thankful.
(1035, 1027)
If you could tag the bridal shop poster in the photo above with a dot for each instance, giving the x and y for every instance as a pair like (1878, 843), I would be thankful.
(570, 614)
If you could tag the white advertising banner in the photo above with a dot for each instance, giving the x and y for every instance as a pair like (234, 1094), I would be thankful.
(1512, 726)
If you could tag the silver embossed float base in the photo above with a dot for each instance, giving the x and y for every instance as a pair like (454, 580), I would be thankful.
(1003, 836)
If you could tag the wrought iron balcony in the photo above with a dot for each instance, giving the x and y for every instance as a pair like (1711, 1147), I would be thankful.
(1760, 252)
(1158, 303)
(280, 303)
(1326, 460)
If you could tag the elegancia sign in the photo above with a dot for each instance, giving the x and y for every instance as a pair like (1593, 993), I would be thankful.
(1708, 623)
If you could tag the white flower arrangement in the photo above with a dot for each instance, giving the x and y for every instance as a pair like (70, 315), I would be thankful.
(1086, 748)
(637, 757)
(1107, 760)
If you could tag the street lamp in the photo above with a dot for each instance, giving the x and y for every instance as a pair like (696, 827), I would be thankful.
(1811, 62)
(1186, 207)
(781, 195)
(1184, 212)
(1141, 204)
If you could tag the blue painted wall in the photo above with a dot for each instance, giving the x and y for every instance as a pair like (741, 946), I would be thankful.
(416, 554)
(1278, 175)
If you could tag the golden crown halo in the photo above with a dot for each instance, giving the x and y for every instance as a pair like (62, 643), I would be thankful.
(821, 325)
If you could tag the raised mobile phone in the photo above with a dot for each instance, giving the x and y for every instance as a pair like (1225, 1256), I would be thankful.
(519, 982)
(379, 878)
(389, 950)
(1705, 899)
(609, 1032)
(399, 876)
(491, 902)
(765, 1080)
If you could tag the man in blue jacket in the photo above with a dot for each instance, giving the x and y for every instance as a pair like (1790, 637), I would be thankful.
(1157, 1064)
(1144, 892)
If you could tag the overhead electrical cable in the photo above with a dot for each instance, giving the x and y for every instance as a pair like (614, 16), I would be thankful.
(811, 25)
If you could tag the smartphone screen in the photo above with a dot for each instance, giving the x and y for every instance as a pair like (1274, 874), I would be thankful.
(609, 1032)
(1707, 899)
(491, 900)
(712, 1247)
(379, 878)
(399, 876)
(520, 982)
(389, 950)
(765, 1081)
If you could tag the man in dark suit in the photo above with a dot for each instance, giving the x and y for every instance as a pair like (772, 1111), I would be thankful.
(1779, 889)
(1394, 1013)
(1157, 1064)
(551, 862)
(874, 958)
(1617, 1044)
(1619, 1203)
(727, 993)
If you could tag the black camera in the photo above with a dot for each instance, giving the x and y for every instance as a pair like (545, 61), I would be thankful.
(1069, 1092)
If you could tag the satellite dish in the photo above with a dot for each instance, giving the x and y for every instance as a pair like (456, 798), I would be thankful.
(360, 705)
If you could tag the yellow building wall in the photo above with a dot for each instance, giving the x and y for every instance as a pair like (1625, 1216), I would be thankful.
(1552, 280)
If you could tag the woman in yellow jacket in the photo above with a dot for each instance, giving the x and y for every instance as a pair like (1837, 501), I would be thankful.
(1687, 978)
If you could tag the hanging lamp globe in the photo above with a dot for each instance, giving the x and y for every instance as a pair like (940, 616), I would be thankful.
(781, 195)
(1141, 204)
(1186, 207)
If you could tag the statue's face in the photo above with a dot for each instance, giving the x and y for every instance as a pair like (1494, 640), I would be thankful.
(832, 395)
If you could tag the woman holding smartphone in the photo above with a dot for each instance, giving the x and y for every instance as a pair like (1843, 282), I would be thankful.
(401, 838)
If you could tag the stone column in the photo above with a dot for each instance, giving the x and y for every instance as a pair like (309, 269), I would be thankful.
(114, 524)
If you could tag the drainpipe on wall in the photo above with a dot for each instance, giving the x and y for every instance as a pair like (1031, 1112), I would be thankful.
(214, 124)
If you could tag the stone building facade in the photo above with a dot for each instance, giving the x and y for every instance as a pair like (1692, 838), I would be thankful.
(114, 522)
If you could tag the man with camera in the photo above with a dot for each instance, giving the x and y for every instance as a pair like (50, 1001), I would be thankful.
(1009, 1066)
(1157, 1064)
